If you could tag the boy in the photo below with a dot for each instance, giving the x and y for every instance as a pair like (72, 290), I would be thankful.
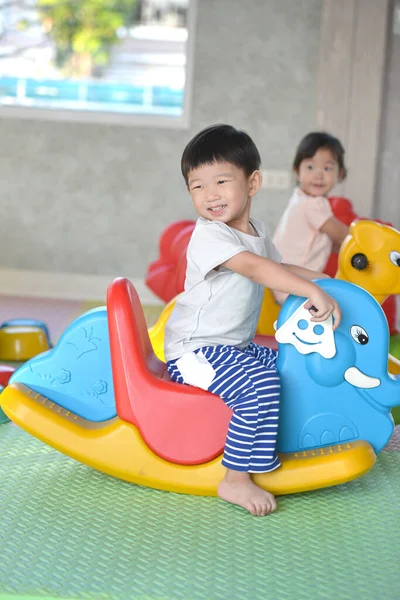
(208, 338)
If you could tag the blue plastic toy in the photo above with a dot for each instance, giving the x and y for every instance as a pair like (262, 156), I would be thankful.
(76, 374)
(334, 389)
(347, 396)
(335, 403)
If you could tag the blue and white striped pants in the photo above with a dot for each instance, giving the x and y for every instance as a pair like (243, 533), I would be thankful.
(248, 382)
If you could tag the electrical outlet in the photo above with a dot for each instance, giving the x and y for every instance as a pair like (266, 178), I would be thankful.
(276, 180)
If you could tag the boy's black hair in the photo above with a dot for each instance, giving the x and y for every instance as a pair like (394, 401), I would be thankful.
(313, 142)
(221, 143)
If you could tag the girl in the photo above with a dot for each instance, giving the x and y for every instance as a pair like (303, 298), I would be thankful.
(308, 231)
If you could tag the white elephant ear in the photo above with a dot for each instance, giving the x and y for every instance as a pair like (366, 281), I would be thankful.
(308, 336)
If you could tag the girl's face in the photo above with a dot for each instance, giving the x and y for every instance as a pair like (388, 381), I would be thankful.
(316, 176)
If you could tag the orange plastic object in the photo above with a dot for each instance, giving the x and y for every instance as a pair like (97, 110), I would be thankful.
(21, 342)
(199, 420)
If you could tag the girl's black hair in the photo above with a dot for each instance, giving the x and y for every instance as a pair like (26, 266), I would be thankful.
(313, 142)
(221, 143)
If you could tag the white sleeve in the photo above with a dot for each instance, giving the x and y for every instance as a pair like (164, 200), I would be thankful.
(272, 252)
(211, 245)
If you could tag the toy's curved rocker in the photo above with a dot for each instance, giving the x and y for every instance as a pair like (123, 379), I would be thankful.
(335, 403)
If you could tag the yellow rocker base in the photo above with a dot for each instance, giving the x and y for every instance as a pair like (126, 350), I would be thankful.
(115, 447)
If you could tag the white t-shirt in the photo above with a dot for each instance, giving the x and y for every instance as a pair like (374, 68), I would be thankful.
(218, 306)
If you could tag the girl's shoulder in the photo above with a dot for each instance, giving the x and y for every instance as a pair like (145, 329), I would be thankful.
(314, 203)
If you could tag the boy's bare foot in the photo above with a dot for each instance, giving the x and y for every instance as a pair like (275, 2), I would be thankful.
(238, 488)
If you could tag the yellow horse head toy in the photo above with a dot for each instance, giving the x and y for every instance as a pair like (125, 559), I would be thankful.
(370, 258)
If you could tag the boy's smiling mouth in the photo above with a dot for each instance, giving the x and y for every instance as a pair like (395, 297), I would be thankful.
(217, 209)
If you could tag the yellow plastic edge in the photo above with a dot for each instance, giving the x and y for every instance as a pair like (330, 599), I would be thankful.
(116, 448)
(157, 332)
(394, 365)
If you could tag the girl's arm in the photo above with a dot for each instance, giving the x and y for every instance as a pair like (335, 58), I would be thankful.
(277, 277)
(336, 230)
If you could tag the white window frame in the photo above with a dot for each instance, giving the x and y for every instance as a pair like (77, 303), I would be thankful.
(124, 119)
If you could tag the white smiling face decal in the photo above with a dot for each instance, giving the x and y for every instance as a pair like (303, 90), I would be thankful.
(308, 336)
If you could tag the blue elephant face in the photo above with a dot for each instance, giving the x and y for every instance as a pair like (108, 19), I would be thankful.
(356, 352)
(340, 391)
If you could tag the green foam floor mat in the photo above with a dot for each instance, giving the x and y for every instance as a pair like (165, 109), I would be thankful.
(69, 532)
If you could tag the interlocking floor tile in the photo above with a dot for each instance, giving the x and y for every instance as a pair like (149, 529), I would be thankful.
(67, 531)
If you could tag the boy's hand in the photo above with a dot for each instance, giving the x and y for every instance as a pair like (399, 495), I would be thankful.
(321, 306)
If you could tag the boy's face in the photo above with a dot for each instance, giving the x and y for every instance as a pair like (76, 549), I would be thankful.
(319, 174)
(222, 192)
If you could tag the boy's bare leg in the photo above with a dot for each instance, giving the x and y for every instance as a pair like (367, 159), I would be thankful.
(237, 487)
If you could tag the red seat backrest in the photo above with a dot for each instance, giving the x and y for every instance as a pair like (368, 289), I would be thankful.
(180, 423)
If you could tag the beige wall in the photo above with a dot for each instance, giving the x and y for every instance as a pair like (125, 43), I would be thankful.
(350, 89)
(388, 179)
(94, 198)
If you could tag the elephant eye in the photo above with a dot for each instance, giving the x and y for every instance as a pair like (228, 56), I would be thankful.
(395, 258)
(359, 335)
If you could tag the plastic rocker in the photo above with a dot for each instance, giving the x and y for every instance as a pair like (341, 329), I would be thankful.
(335, 404)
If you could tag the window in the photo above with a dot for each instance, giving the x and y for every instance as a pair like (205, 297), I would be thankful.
(113, 61)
